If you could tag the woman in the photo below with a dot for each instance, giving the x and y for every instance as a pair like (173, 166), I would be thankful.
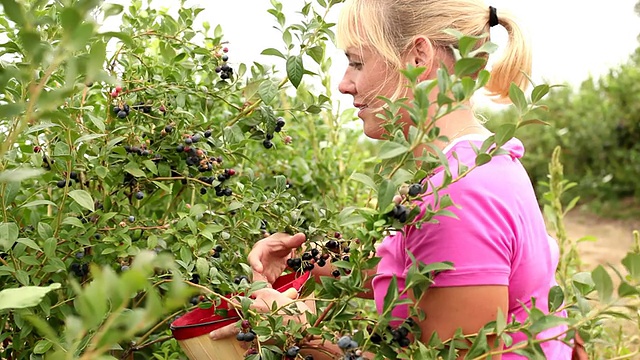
(502, 254)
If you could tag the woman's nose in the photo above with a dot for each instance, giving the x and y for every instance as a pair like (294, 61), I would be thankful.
(347, 86)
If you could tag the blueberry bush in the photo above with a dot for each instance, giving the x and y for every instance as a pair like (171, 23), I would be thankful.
(138, 167)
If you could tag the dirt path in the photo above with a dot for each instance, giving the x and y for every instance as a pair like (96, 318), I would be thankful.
(613, 238)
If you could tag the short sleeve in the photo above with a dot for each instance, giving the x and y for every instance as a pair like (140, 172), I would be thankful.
(478, 242)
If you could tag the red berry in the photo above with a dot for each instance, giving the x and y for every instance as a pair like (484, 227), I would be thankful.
(246, 324)
(36, 149)
(232, 172)
(114, 94)
(118, 88)
(288, 139)
(226, 49)
(337, 235)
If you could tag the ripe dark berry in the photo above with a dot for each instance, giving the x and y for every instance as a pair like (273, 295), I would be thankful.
(345, 258)
(195, 138)
(404, 342)
(308, 267)
(126, 108)
(162, 109)
(321, 263)
(203, 191)
(195, 278)
(79, 255)
(225, 57)
(73, 175)
(61, 183)
(332, 244)
(415, 190)
(249, 336)
(180, 148)
(267, 144)
(188, 140)
(239, 279)
(336, 273)
(240, 336)
(218, 248)
(218, 69)
(245, 324)
(308, 357)
(168, 129)
(280, 123)
(227, 192)
(116, 109)
(296, 263)
(344, 342)
(124, 268)
(293, 351)
(132, 218)
(139, 195)
(375, 338)
(224, 76)
(307, 256)
(207, 133)
(122, 114)
(36, 149)
(268, 136)
(315, 252)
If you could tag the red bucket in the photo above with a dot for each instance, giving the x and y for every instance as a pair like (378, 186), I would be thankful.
(193, 328)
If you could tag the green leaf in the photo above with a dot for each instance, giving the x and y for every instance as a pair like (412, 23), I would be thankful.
(603, 283)
(556, 298)
(316, 53)
(70, 18)
(468, 66)
(8, 235)
(631, 262)
(386, 192)
(482, 159)
(517, 97)
(24, 297)
(539, 92)
(18, 175)
(83, 199)
(392, 149)
(505, 133)
(14, 11)
(295, 70)
(273, 52)
(29, 243)
(365, 179)
(268, 91)
(112, 9)
(10, 110)
(39, 203)
(86, 138)
(42, 346)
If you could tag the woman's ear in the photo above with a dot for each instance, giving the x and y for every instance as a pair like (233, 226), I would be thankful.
(422, 55)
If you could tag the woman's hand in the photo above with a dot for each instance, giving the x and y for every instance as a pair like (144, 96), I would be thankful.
(263, 301)
(268, 258)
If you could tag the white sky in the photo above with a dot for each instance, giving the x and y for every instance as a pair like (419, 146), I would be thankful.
(571, 39)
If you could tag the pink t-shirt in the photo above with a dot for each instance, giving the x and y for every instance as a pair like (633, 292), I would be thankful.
(498, 238)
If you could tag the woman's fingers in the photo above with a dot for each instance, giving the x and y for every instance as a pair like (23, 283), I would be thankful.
(291, 293)
(224, 332)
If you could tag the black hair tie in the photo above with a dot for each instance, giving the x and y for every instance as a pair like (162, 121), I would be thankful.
(493, 16)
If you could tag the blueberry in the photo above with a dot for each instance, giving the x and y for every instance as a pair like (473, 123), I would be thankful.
(180, 148)
(227, 192)
(293, 351)
(61, 183)
(336, 273)
(139, 195)
(307, 256)
(280, 123)
(168, 129)
(188, 141)
(225, 57)
(195, 138)
(415, 190)
(132, 218)
(203, 191)
(124, 268)
(116, 110)
(224, 76)
(249, 336)
(375, 338)
(207, 133)
(269, 136)
(239, 279)
(218, 69)
(218, 248)
(240, 336)
(79, 255)
(404, 342)
(267, 144)
(315, 252)
(332, 244)
(344, 342)
(122, 114)
(321, 263)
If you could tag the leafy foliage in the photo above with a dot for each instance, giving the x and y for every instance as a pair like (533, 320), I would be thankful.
(135, 162)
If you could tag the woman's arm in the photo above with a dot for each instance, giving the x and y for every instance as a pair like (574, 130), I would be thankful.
(466, 307)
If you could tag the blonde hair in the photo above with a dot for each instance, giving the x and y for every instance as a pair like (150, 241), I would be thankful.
(389, 27)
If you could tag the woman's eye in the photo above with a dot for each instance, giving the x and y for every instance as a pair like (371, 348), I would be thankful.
(356, 65)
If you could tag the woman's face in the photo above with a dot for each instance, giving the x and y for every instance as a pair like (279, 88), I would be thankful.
(367, 77)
